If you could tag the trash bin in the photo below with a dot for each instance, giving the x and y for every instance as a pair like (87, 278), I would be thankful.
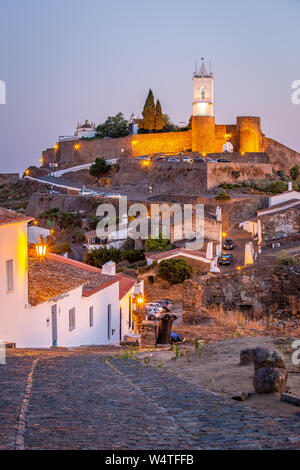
(165, 328)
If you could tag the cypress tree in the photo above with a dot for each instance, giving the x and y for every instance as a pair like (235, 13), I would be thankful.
(159, 117)
(149, 113)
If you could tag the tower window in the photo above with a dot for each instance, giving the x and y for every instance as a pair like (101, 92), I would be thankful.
(202, 93)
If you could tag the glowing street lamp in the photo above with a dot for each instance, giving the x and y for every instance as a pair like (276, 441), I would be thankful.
(76, 146)
(41, 248)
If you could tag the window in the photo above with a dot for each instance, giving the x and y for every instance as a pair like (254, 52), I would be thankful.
(109, 321)
(10, 275)
(91, 316)
(72, 319)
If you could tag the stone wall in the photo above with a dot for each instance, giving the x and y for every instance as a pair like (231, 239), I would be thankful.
(9, 178)
(218, 173)
(257, 289)
(281, 157)
(280, 224)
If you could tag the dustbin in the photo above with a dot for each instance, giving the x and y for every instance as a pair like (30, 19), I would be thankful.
(165, 328)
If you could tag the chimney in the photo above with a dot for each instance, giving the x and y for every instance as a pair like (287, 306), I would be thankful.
(109, 268)
(290, 187)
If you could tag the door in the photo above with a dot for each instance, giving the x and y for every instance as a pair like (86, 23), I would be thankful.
(54, 324)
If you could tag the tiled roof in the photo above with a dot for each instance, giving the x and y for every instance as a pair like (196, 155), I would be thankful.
(176, 251)
(126, 283)
(57, 275)
(9, 217)
(280, 207)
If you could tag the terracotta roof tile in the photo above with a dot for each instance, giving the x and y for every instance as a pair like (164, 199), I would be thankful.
(126, 283)
(9, 217)
(57, 275)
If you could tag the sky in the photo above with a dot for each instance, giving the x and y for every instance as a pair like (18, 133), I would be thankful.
(65, 61)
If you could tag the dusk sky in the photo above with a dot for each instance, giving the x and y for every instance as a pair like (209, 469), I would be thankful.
(65, 61)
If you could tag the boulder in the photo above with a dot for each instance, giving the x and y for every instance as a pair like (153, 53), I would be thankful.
(266, 357)
(270, 380)
(246, 357)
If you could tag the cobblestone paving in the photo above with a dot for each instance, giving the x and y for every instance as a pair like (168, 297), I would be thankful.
(80, 401)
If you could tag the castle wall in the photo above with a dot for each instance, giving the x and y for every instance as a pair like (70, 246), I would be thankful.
(68, 154)
(282, 157)
(249, 134)
(203, 134)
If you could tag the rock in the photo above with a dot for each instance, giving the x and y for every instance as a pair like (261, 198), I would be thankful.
(266, 357)
(240, 396)
(246, 357)
(270, 380)
(290, 399)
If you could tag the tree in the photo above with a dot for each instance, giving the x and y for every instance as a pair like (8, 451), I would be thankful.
(159, 117)
(168, 124)
(99, 168)
(157, 244)
(175, 271)
(102, 255)
(148, 121)
(294, 172)
(114, 126)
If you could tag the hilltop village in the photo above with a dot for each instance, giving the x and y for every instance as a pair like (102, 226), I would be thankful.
(247, 184)
(82, 282)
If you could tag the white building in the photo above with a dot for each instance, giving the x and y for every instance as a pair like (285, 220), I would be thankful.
(57, 301)
(203, 92)
(87, 129)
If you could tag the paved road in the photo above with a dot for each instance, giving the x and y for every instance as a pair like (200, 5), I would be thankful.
(86, 400)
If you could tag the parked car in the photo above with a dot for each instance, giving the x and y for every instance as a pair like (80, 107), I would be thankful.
(199, 159)
(173, 159)
(87, 192)
(166, 304)
(187, 160)
(144, 157)
(225, 258)
(154, 305)
(211, 160)
(228, 244)
(223, 160)
(153, 313)
(160, 157)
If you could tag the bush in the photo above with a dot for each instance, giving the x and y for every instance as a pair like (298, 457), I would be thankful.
(60, 248)
(103, 255)
(284, 259)
(157, 244)
(294, 172)
(175, 271)
(99, 168)
(222, 196)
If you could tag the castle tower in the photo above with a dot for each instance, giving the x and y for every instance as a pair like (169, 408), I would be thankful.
(203, 92)
(203, 121)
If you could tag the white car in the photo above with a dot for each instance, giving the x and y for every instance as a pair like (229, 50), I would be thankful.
(155, 305)
(174, 160)
(87, 192)
(153, 313)
(187, 160)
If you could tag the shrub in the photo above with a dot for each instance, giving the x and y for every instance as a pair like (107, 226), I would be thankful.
(294, 172)
(285, 260)
(175, 271)
(99, 168)
(60, 248)
(222, 196)
(157, 244)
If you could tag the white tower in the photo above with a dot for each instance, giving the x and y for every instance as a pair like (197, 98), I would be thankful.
(203, 92)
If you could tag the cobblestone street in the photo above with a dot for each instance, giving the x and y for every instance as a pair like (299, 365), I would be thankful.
(86, 399)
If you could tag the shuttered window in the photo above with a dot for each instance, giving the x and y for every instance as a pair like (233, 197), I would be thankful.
(10, 275)
(72, 323)
(91, 316)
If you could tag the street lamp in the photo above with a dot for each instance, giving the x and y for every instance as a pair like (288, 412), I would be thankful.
(41, 248)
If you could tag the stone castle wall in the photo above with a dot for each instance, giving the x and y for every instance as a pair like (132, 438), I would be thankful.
(254, 290)
(205, 137)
